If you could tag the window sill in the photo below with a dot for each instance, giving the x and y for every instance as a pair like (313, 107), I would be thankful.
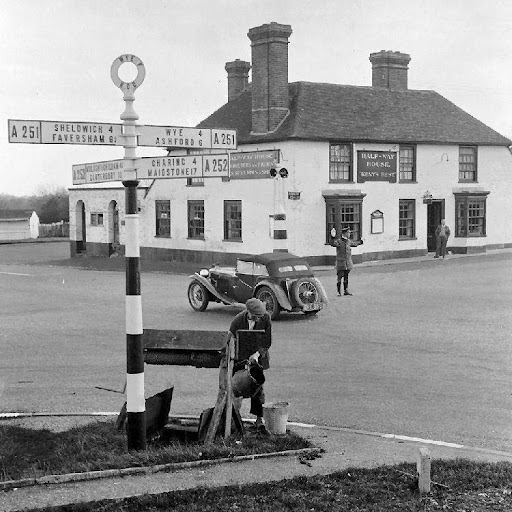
(407, 239)
(412, 182)
(341, 181)
(162, 236)
(468, 181)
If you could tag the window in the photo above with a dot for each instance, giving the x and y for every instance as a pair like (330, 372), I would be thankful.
(196, 219)
(470, 215)
(195, 182)
(341, 213)
(406, 219)
(407, 163)
(340, 162)
(232, 220)
(96, 219)
(467, 163)
(163, 218)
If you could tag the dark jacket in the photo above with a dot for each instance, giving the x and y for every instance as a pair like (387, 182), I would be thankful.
(344, 252)
(446, 231)
(241, 321)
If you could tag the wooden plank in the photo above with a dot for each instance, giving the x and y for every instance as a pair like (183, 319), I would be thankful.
(188, 340)
(230, 353)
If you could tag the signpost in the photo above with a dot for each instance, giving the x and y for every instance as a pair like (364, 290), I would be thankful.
(129, 170)
(98, 172)
(186, 166)
(64, 132)
(68, 132)
(181, 137)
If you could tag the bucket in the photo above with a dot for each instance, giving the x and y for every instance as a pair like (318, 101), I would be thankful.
(248, 381)
(276, 417)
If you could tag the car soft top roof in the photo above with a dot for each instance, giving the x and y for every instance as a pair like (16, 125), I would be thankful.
(270, 257)
(274, 260)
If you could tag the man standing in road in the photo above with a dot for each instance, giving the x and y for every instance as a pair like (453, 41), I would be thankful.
(344, 263)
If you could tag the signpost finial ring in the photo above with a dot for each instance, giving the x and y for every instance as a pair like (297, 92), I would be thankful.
(134, 84)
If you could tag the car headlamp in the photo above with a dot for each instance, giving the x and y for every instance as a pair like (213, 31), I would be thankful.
(204, 272)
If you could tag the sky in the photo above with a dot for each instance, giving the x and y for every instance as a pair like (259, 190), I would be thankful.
(57, 54)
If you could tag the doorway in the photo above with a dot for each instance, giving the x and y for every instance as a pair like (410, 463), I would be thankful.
(81, 233)
(113, 228)
(435, 212)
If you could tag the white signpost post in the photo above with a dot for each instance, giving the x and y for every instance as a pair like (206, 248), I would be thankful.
(129, 170)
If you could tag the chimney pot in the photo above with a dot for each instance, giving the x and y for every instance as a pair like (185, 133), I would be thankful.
(269, 49)
(389, 69)
(238, 77)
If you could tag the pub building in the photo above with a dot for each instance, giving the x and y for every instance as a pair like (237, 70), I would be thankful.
(387, 161)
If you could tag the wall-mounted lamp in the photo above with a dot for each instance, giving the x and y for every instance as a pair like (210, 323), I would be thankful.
(445, 155)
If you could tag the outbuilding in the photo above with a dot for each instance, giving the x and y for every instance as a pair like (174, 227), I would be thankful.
(16, 224)
(387, 161)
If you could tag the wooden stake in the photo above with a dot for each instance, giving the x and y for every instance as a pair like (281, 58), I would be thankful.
(230, 353)
(423, 468)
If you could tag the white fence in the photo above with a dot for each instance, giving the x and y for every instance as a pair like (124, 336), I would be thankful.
(55, 229)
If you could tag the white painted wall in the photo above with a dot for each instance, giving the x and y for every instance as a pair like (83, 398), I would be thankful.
(308, 166)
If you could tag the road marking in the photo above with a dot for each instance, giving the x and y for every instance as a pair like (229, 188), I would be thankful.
(17, 274)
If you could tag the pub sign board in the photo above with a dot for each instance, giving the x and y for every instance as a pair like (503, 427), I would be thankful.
(252, 165)
(376, 166)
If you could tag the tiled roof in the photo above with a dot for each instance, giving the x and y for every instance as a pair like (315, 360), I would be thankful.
(355, 113)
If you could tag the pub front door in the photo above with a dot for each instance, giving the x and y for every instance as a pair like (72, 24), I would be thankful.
(435, 212)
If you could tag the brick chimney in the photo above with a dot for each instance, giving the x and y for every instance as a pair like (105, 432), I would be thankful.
(389, 69)
(238, 77)
(269, 48)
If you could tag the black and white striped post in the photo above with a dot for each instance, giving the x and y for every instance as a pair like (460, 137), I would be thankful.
(135, 402)
(280, 233)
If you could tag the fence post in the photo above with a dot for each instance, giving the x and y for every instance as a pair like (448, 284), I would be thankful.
(423, 468)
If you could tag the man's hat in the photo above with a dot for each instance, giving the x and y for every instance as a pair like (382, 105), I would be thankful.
(344, 230)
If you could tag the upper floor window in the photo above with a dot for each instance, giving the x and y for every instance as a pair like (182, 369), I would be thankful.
(196, 219)
(467, 163)
(232, 220)
(163, 218)
(340, 162)
(407, 163)
(96, 219)
(406, 219)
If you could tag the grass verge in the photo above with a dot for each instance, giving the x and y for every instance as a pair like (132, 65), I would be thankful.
(33, 453)
(470, 486)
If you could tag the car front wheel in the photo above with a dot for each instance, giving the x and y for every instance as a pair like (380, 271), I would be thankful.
(197, 296)
(268, 297)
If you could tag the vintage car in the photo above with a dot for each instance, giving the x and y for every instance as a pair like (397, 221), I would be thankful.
(279, 279)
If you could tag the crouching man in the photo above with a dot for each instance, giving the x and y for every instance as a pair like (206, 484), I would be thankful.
(254, 317)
